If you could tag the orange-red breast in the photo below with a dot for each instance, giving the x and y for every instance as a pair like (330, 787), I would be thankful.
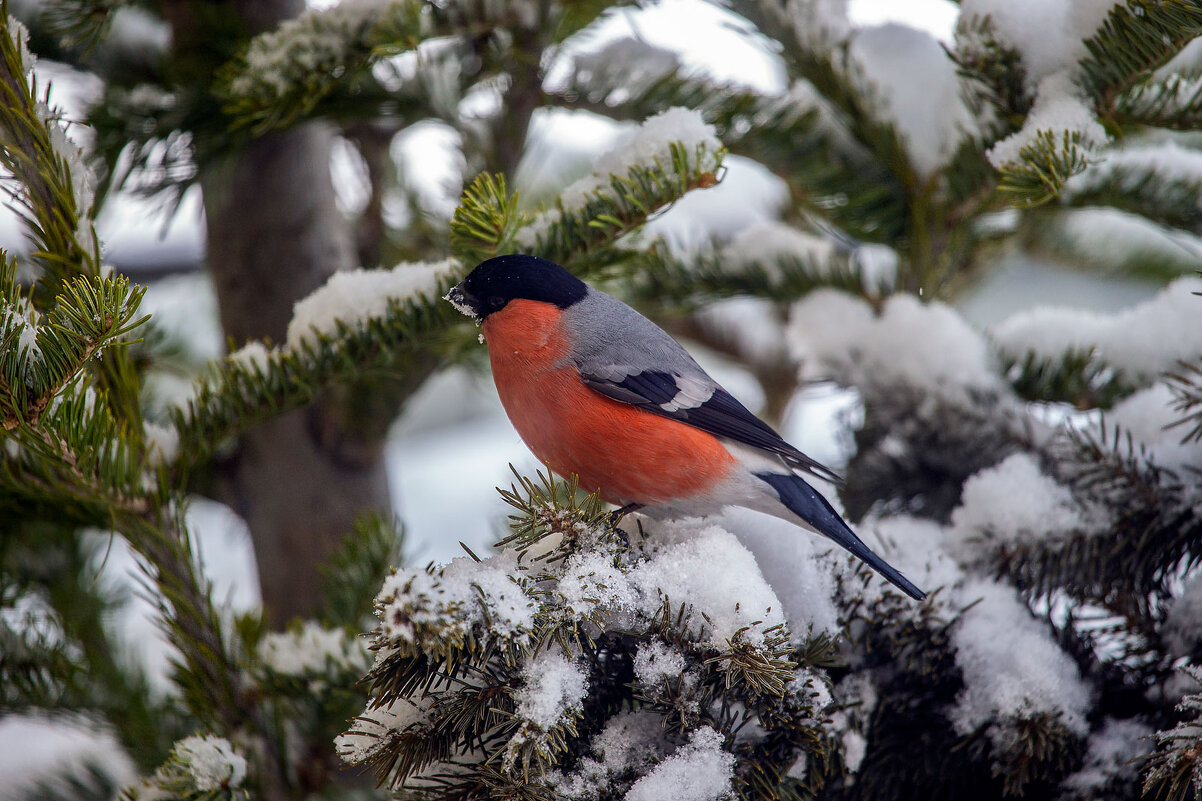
(597, 390)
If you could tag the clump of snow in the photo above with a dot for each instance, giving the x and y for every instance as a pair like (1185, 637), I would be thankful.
(211, 762)
(710, 570)
(812, 686)
(700, 770)
(1183, 624)
(162, 442)
(819, 23)
(553, 688)
(630, 741)
(645, 146)
(416, 605)
(856, 697)
(1060, 109)
(1024, 672)
(928, 346)
(316, 42)
(313, 650)
(769, 244)
(65, 746)
(1146, 339)
(799, 566)
(629, 63)
(1111, 755)
(1169, 160)
(254, 356)
(371, 730)
(23, 317)
(1050, 36)
(1149, 417)
(355, 296)
(1108, 239)
(655, 661)
(1015, 501)
(20, 38)
(917, 89)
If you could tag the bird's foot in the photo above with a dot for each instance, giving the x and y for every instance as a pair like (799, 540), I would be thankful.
(615, 517)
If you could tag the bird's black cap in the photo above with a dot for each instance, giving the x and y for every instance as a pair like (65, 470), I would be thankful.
(495, 282)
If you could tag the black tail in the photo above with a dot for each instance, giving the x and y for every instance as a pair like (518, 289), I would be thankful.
(805, 502)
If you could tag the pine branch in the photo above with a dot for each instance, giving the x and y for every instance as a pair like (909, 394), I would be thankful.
(486, 220)
(1174, 770)
(1186, 384)
(658, 275)
(576, 236)
(1078, 377)
(1148, 191)
(1174, 102)
(81, 24)
(826, 71)
(91, 315)
(50, 192)
(996, 72)
(1044, 166)
(285, 73)
(1151, 530)
(242, 394)
(1138, 37)
(352, 573)
(796, 139)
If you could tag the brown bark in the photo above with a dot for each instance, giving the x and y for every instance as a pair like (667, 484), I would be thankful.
(275, 235)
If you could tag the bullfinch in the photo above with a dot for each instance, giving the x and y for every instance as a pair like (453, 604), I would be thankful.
(597, 390)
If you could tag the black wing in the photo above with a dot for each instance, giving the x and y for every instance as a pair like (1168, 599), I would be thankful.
(704, 406)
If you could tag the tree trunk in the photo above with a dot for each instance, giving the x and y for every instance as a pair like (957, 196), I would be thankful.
(275, 235)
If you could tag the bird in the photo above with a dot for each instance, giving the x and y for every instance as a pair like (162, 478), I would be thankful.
(597, 390)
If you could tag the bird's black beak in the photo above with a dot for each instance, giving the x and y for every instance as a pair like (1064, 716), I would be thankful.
(462, 300)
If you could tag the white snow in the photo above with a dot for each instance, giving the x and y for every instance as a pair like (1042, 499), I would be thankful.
(915, 86)
(645, 146)
(211, 762)
(553, 688)
(162, 442)
(707, 568)
(254, 356)
(768, 242)
(924, 345)
(1060, 109)
(798, 565)
(371, 730)
(1146, 339)
(355, 296)
(656, 661)
(819, 24)
(630, 741)
(313, 650)
(1183, 624)
(462, 595)
(1048, 34)
(1112, 754)
(1015, 501)
(1169, 160)
(1012, 666)
(66, 745)
(700, 770)
(1148, 416)
(312, 42)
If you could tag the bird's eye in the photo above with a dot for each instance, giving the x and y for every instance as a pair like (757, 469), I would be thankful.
(495, 302)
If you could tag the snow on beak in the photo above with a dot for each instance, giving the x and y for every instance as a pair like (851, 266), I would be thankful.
(462, 301)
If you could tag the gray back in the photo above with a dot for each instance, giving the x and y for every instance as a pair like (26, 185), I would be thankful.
(610, 338)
